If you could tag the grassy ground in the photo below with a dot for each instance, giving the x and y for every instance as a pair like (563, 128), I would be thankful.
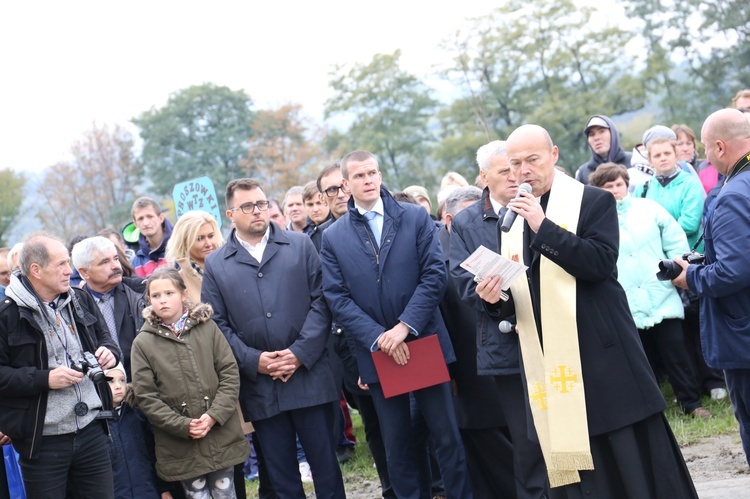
(686, 429)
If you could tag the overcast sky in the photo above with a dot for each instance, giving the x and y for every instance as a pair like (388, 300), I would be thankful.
(66, 64)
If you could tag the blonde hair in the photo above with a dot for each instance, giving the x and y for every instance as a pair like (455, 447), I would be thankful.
(185, 233)
(453, 178)
(661, 140)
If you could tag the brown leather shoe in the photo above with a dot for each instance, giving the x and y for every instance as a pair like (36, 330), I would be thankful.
(701, 412)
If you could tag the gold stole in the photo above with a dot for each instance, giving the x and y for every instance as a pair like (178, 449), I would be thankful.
(553, 376)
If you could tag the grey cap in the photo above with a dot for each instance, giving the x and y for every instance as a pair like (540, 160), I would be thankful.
(595, 121)
(656, 132)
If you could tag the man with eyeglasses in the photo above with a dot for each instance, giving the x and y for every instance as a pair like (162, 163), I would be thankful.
(331, 184)
(264, 285)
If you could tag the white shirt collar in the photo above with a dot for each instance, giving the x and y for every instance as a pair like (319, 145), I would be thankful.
(257, 250)
(496, 206)
(378, 208)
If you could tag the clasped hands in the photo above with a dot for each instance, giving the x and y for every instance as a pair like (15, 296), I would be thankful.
(199, 427)
(392, 343)
(279, 365)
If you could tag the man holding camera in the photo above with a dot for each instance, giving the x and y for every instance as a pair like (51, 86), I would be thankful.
(722, 281)
(53, 344)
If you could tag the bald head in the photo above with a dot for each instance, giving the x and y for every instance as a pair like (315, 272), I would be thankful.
(532, 157)
(726, 135)
(530, 132)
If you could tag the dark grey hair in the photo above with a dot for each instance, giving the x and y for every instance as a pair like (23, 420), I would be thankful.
(35, 251)
(461, 195)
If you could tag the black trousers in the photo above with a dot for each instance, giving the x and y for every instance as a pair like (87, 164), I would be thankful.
(277, 438)
(489, 454)
(76, 462)
(666, 340)
(406, 455)
(528, 461)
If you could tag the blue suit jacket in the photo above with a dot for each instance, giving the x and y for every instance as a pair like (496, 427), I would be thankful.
(273, 305)
(369, 290)
(722, 283)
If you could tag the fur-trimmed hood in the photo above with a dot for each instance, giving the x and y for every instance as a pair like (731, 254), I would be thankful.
(199, 313)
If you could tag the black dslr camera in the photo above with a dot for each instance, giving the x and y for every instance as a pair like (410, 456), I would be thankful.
(90, 367)
(669, 269)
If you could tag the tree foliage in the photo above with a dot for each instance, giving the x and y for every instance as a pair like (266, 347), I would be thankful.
(283, 150)
(11, 197)
(202, 130)
(389, 111)
(95, 189)
(697, 51)
(546, 62)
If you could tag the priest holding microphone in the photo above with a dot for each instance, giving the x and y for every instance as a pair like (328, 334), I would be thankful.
(596, 407)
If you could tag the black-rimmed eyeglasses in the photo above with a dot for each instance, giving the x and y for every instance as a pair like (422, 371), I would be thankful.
(248, 208)
(333, 191)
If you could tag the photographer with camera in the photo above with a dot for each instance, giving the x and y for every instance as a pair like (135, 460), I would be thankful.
(54, 344)
(722, 281)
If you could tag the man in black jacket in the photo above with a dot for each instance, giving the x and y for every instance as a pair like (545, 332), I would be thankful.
(497, 354)
(97, 261)
(591, 390)
(47, 407)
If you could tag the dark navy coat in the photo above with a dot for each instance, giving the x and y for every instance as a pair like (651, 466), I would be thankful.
(268, 306)
(369, 290)
(497, 353)
(722, 283)
(131, 449)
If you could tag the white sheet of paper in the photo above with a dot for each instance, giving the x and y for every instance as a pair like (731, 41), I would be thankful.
(485, 263)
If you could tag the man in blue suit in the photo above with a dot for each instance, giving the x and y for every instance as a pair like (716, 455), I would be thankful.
(264, 287)
(383, 277)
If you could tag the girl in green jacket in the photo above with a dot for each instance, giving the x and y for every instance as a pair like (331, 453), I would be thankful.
(186, 382)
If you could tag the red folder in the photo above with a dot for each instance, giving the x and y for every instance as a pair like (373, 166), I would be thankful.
(426, 367)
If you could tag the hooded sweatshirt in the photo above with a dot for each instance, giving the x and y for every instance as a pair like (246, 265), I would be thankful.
(616, 153)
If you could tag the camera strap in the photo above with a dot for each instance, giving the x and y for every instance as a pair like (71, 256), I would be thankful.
(738, 167)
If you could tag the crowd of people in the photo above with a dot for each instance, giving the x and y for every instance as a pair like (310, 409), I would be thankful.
(161, 374)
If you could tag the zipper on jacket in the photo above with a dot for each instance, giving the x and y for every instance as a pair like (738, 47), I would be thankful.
(377, 247)
(39, 400)
(184, 408)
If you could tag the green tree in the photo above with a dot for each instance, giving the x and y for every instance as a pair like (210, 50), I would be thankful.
(202, 130)
(96, 188)
(697, 51)
(11, 197)
(389, 111)
(546, 62)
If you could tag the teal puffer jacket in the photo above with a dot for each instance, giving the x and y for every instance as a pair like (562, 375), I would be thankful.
(648, 234)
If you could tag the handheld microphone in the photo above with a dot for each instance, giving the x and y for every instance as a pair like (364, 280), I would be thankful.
(506, 327)
(510, 215)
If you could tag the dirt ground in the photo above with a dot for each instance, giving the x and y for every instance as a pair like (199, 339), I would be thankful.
(717, 458)
(717, 465)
